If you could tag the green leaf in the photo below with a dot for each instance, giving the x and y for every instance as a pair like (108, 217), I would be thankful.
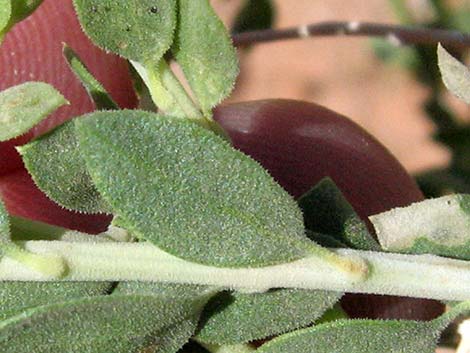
(188, 191)
(254, 15)
(456, 76)
(25, 105)
(112, 324)
(16, 297)
(437, 226)
(95, 89)
(5, 14)
(239, 318)
(137, 30)
(58, 169)
(359, 336)
(204, 51)
(327, 211)
(23, 8)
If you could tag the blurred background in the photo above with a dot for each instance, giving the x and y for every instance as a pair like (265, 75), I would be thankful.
(393, 92)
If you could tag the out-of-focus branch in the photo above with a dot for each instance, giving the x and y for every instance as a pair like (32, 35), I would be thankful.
(399, 35)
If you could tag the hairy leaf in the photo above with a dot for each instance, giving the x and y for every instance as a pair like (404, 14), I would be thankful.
(95, 89)
(16, 297)
(112, 324)
(57, 168)
(327, 211)
(456, 76)
(188, 191)
(359, 336)
(137, 30)
(438, 226)
(239, 318)
(25, 105)
(204, 51)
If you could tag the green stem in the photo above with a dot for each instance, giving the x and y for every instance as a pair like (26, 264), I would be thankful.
(421, 276)
(167, 91)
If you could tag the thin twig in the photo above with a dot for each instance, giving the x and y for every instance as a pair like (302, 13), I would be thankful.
(399, 35)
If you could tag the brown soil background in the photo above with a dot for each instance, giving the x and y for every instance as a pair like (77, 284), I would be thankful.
(342, 74)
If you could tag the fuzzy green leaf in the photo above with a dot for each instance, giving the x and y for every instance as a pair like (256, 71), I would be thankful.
(25, 105)
(359, 336)
(112, 324)
(327, 211)
(239, 318)
(188, 191)
(57, 168)
(438, 226)
(204, 51)
(137, 30)
(95, 89)
(456, 76)
(16, 297)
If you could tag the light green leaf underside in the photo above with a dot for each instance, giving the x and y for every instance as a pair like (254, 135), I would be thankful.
(95, 89)
(327, 211)
(204, 51)
(239, 318)
(438, 226)
(111, 324)
(189, 192)
(57, 168)
(5, 13)
(359, 336)
(456, 76)
(137, 30)
(25, 105)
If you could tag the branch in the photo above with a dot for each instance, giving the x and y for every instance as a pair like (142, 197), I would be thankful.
(420, 276)
(399, 35)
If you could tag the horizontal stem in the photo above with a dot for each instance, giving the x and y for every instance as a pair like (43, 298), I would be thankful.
(421, 276)
(395, 33)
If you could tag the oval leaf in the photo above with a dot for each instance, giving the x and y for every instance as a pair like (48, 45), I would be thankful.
(437, 226)
(239, 318)
(112, 324)
(137, 30)
(57, 168)
(204, 51)
(25, 105)
(188, 191)
(359, 336)
(456, 76)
